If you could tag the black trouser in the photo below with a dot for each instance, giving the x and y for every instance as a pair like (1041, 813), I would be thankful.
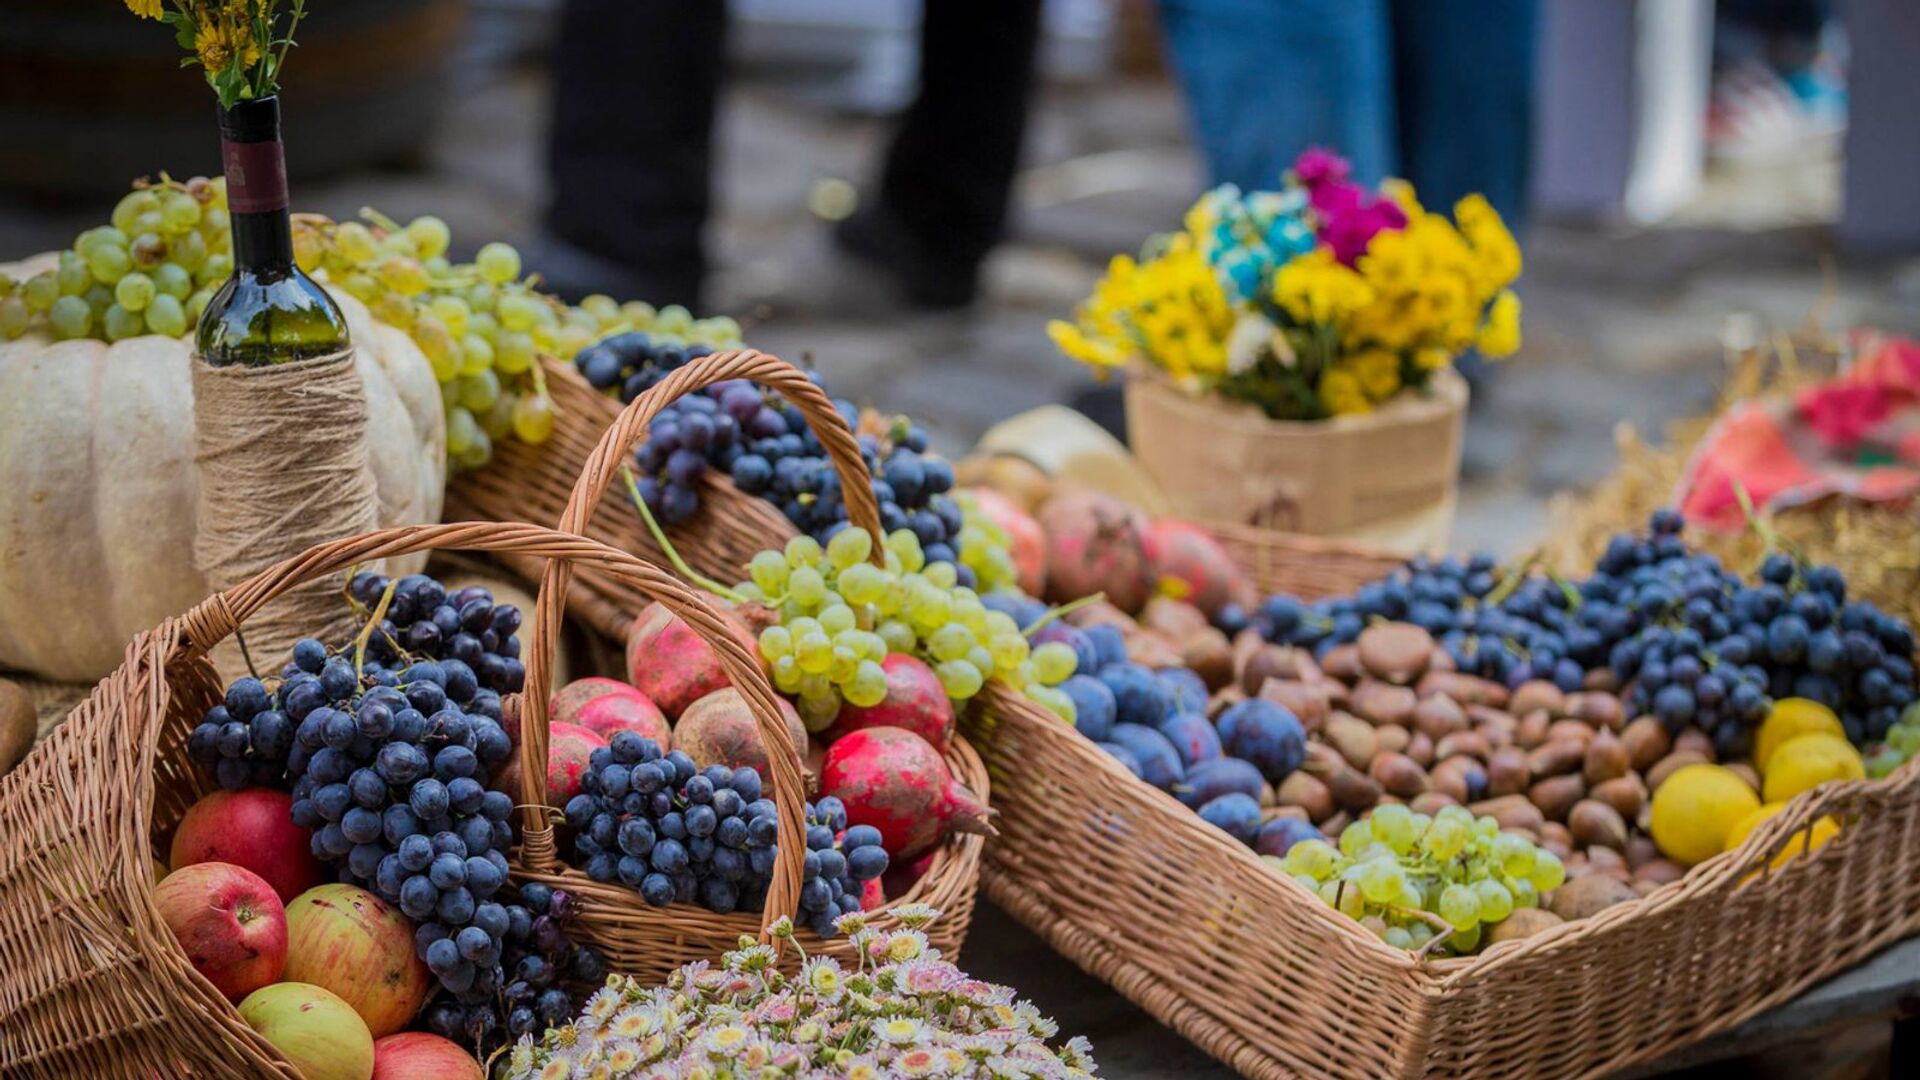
(635, 86)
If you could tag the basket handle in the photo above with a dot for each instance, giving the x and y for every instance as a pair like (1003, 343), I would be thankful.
(217, 617)
(609, 455)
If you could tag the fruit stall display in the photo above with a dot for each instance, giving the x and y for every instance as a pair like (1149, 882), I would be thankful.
(342, 860)
(1494, 798)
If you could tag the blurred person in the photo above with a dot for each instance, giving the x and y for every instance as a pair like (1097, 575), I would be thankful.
(636, 85)
(1438, 92)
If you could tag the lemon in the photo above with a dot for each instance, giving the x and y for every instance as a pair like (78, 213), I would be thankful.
(1745, 826)
(1806, 761)
(1695, 810)
(1823, 830)
(1790, 717)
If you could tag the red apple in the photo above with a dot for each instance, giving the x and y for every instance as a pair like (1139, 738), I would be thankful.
(349, 941)
(229, 922)
(416, 1055)
(252, 828)
(631, 711)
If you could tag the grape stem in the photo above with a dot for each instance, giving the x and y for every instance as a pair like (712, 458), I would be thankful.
(673, 556)
(1512, 580)
(1064, 609)
(366, 632)
(355, 606)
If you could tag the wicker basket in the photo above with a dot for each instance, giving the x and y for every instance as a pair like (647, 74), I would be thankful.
(636, 942)
(91, 981)
(534, 483)
(1190, 925)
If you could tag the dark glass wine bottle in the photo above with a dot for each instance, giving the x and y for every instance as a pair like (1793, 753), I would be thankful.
(269, 311)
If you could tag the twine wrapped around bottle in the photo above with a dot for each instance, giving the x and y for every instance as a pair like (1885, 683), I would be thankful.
(284, 466)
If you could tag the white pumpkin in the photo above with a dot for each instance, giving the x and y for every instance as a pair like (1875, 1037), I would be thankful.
(98, 482)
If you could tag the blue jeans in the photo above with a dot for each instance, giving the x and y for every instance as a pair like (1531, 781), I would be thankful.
(1437, 91)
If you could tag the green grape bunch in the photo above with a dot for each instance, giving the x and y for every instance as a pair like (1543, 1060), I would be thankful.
(482, 325)
(151, 270)
(841, 615)
(1901, 745)
(1410, 877)
(985, 548)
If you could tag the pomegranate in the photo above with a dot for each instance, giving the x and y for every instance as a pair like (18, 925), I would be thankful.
(719, 729)
(1097, 543)
(898, 783)
(669, 663)
(915, 701)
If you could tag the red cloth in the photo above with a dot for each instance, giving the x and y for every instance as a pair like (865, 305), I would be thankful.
(1857, 435)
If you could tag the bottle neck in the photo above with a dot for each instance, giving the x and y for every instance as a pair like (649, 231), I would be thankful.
(255, 164)
(263, 244)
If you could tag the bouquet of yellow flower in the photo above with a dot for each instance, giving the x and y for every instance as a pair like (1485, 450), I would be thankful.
(238, 43)
(1324, 299)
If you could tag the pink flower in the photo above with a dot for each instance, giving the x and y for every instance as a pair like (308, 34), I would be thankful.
(1348, 234)
(1843, 415)
(1347, 214)
(1316, 166)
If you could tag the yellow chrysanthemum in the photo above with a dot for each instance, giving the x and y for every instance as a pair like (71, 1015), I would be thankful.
(1500, 337)
(1168, 310)
(1378, 372)
(1403, 195)
(1317, 290)
(1341, 394)
(147, 9)
(1498, 253)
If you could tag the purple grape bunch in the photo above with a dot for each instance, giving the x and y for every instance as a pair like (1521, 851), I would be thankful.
(539, 963)
(678, 834)
(1688, 640)
(762, 443)
(390, 766)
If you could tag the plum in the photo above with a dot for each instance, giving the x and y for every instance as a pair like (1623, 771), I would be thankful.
(1265, 733)
(1159, 761)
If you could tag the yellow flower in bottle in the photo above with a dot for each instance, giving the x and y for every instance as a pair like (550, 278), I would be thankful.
(146, 9)
(1378, 372)
(1432, 358)
(1500, 336)
(1341, 394)
(213, 47)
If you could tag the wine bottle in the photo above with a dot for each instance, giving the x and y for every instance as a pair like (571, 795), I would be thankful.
(269, 311)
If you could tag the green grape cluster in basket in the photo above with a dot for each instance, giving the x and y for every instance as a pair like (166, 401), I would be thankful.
(840, 615)
(1410, 877)
(1902, 744)
(151, 270)
(481, 324)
